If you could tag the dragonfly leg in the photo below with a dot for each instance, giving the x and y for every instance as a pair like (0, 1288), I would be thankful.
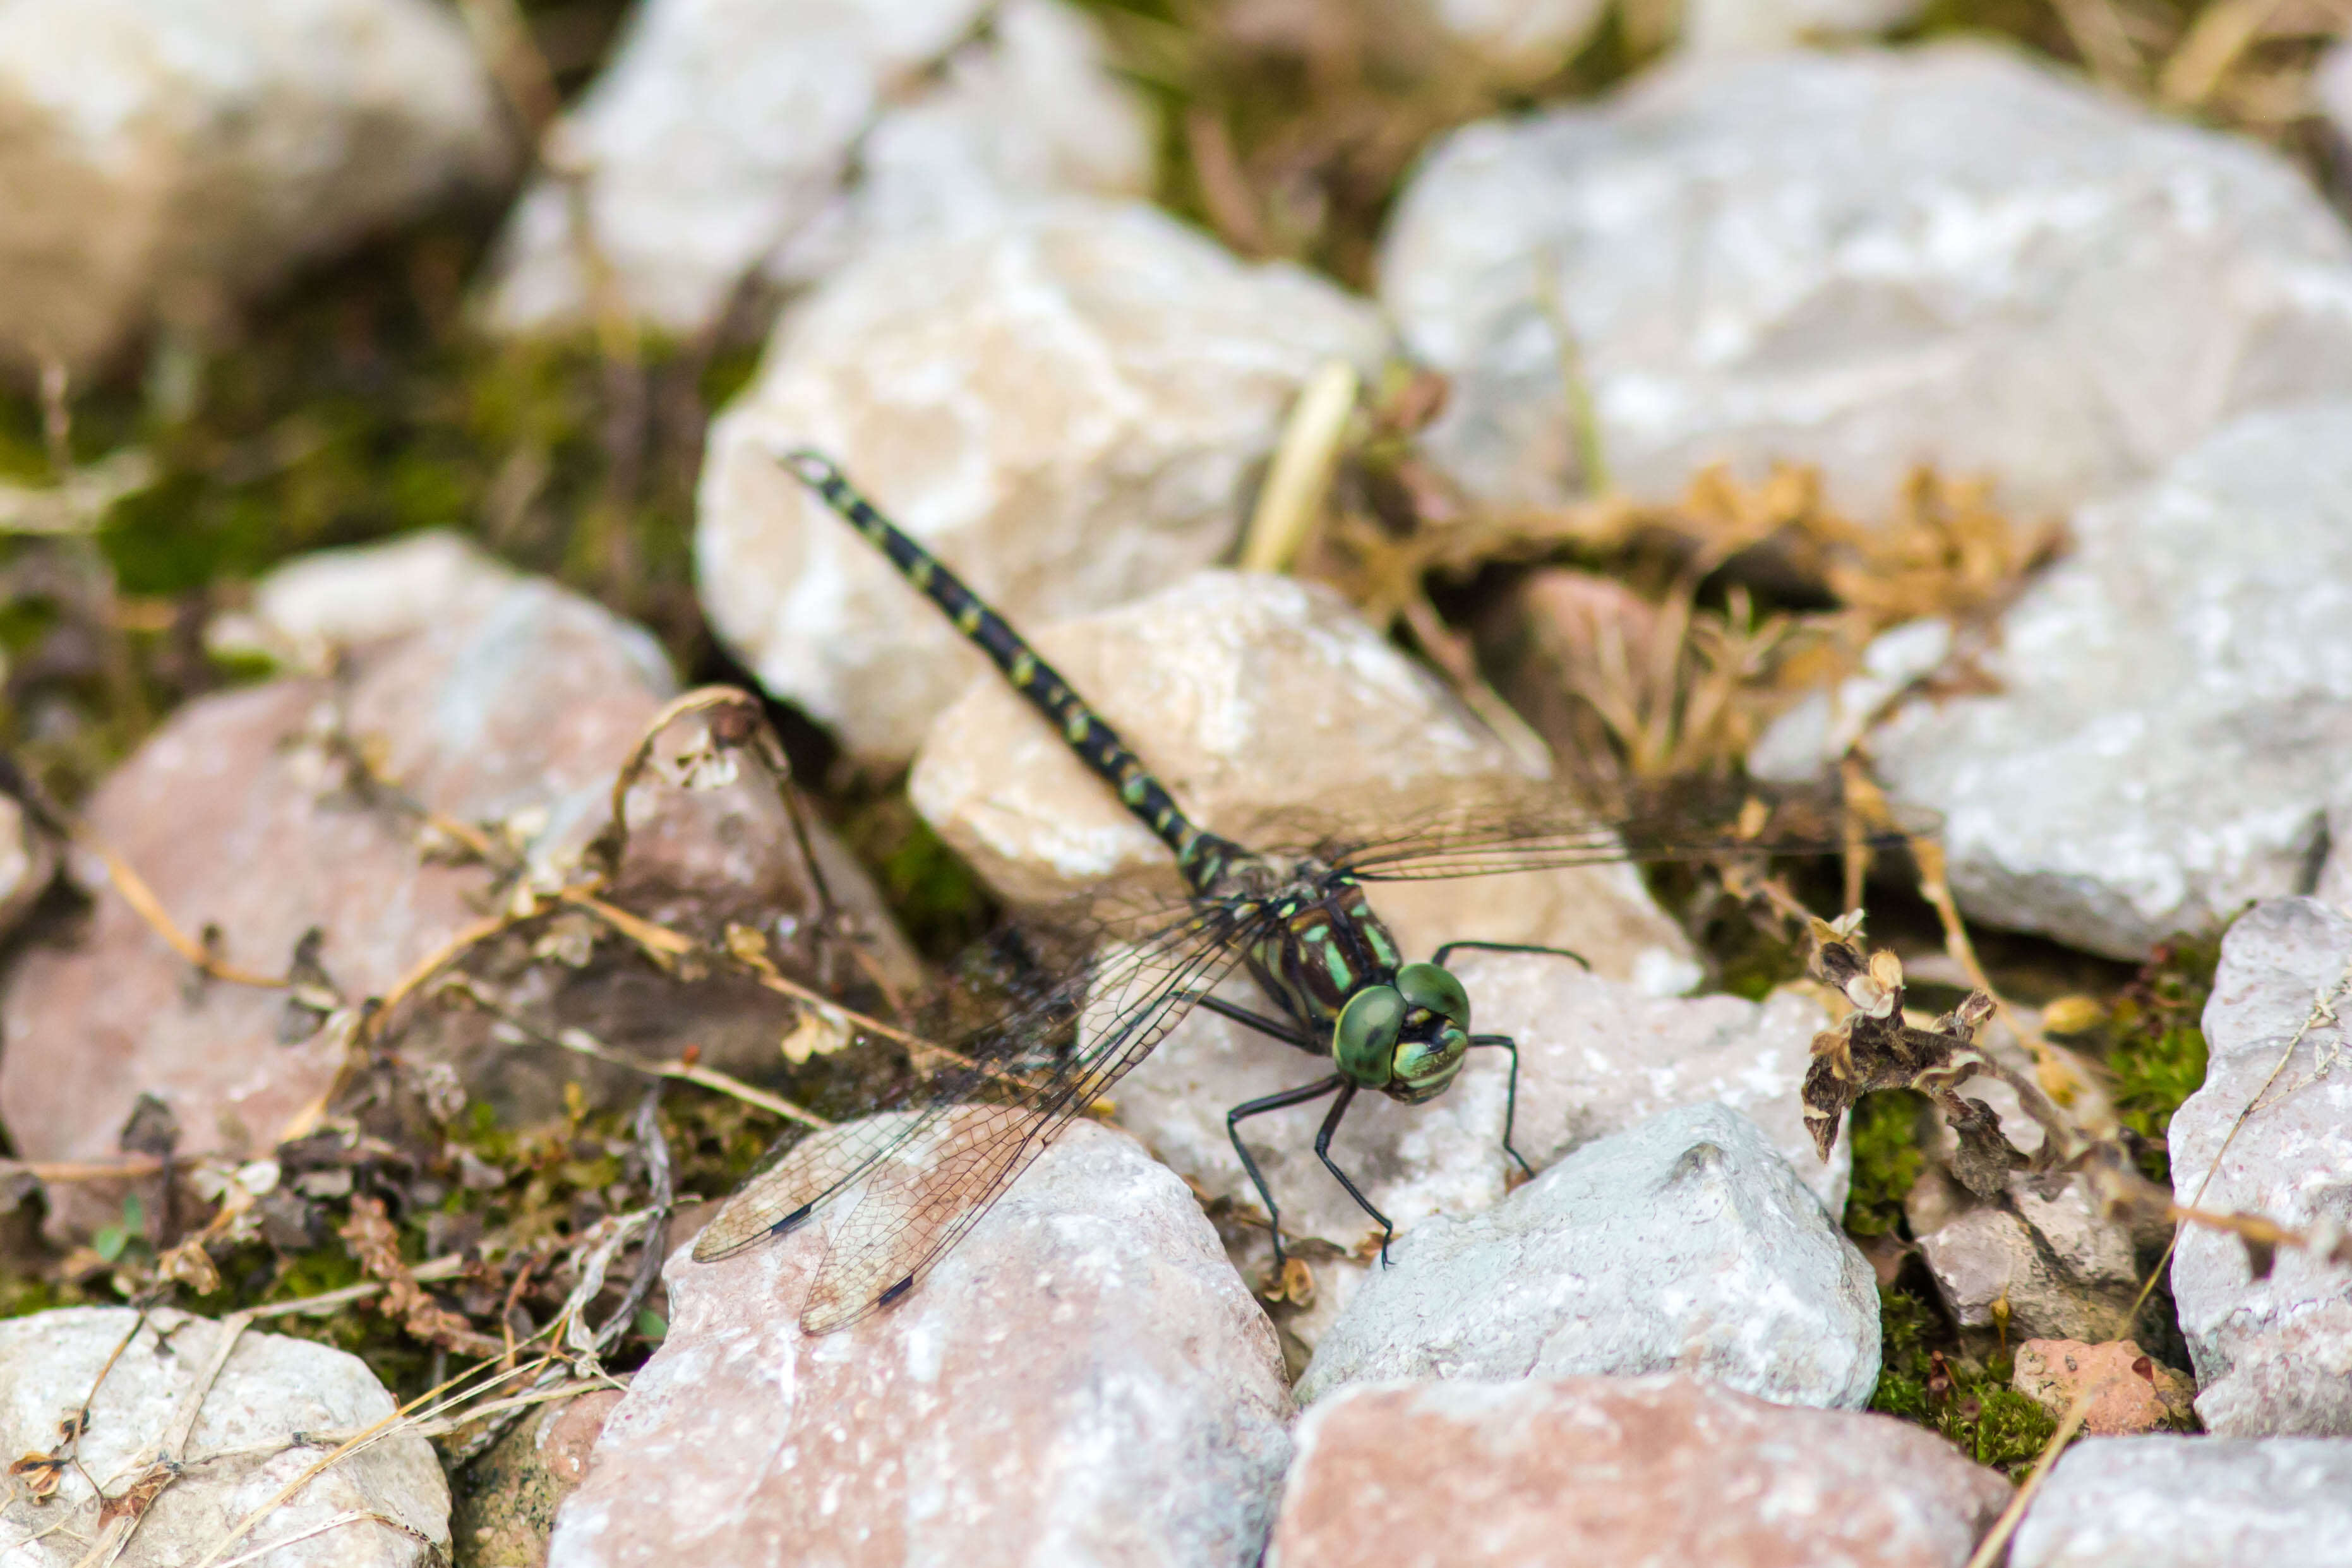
(1511, 1095)
(1510, 947)
(1256, 1107)
(1289, 1034)
(1323, 1153)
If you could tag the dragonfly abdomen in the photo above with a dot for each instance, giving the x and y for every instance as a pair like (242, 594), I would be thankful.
(1200, 855)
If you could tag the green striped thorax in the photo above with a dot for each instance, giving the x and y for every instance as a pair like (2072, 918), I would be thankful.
(1406, 1040)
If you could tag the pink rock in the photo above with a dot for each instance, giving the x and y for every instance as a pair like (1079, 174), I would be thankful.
(1083, 1381)
(2140, 1394)
(1641, 1472)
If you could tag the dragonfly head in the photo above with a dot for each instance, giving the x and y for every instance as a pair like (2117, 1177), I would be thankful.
(1406, 1040)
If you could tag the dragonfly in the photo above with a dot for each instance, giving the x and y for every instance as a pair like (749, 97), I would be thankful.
(1299, 919)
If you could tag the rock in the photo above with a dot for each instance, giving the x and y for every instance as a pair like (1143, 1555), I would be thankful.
(1069, 409)
(2331, 88)
(269, 1388)
(1864, 261)
(2157, 749)
(1750, 26)
(237, 814)
(1685, 1244)
(729, 138)
(2192, 1502)
(506, 1498)
(162, 160)
(1807, 740)
(2045, 1260)
(2273, 1357)
(28, 862)
(1622, 1471)
(1082, 1380)
(2137, 1393)
(306, 611)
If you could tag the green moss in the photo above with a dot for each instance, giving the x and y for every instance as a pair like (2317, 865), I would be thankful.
(1926, 1377)
(2156, 1055)
(1887, 1159)
(938, 903)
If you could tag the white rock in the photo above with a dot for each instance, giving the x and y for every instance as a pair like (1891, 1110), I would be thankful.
(164, 159)
(1027, 110)
(1865, 261)
(2173, 701)
(2046, 1263)
(2272, 1357)
(2192, 1502)
(1082, 1381)
(2331, 88)
(1069, 410)
(1809, 740)
(1686, 1244)
(723, 140)
(269, 1388)
(305, 610)
(1748, 27)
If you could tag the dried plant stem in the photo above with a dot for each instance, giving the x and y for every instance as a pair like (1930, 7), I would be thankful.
(149, 908)
(1293, 495)
(53, 1172)
(326, 1302)
(352, 1516)
(1576, 385)
(2215, 41)
(1989, 1551)
(2059, 1077)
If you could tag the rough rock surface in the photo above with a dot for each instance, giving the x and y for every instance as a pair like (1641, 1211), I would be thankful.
(1632, 1471)
(162, 159)
(1067, 409)
(2192, 1502)
(1865, 261)
(1748, 27)
(721, 140)
(305, 610)
(1083, 1380)
(506, 1508)
(2273, 1357)
(2331, 88)
(2172, 699)
(235, 815)
(1685, 1244)
(270, 1388)
(2054, 1373)
(2041, 1254)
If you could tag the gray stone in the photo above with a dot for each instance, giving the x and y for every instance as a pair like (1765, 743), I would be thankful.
(306, 611)
(1081, 1381)
(165, 160)
(1863, 261)
(2273, 1357)
(1645, 1472)
(2192, 1502)
(1069, 408)
(1685, 1244)
(2331, 88)
(2172, 701)
(733, 137)
(2048, 1264)
(241, 1451)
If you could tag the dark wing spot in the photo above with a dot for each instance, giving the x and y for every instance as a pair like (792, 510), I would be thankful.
(895, 1292)
(795, 1218)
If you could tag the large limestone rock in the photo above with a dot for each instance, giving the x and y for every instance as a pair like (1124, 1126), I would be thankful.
(1068, 408)
(2274, 1357)
(1083, 1380)
(2173, 701)
(1865, 261)
(271, 1413)
(2192, 1502)
(1579, 1470)
(735, 137)
(162, 160)
(1684, 1245)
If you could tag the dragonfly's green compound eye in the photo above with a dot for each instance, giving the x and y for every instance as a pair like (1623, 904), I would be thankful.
(1363, 1042)
(1427, 986)
(1425, 1067)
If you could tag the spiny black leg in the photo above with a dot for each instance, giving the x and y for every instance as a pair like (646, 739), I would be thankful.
(1323, 1153)
(1510, 947)
(1233, 1130)
(1511, 1096)
(1289, 1034)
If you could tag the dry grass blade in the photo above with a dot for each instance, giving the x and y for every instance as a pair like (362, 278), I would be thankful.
(1989, 1551)
(149, 908)
(1291, 501)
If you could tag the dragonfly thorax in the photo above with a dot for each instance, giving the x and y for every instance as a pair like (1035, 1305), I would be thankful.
(1402, 1028)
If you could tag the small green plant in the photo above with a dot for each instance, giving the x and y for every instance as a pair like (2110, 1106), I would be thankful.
(2156, 1059)
(1925, 1377)
(1887, 1160)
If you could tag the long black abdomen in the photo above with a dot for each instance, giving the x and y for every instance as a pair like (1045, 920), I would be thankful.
(1200, 855)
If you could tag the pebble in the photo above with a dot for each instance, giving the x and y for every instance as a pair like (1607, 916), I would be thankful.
(2273, 1357)
(1685, 1244)
(2137, 1393)
(730, 139)
(2192, 1502)
(166, 160)
(1082, 1380)
(515, 708)
(270, 1387)
(2041, 1260)
(1862, 260)
(2154, 745)
(1635, 1472)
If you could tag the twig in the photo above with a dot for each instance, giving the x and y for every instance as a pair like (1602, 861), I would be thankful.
(2058, 1076)
(1576, 386)
(51, 1173)
(351, 1516)
(326, 1302)
(2214, 42)
(148, 907)
(1989, 1549)
(1292, 496)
